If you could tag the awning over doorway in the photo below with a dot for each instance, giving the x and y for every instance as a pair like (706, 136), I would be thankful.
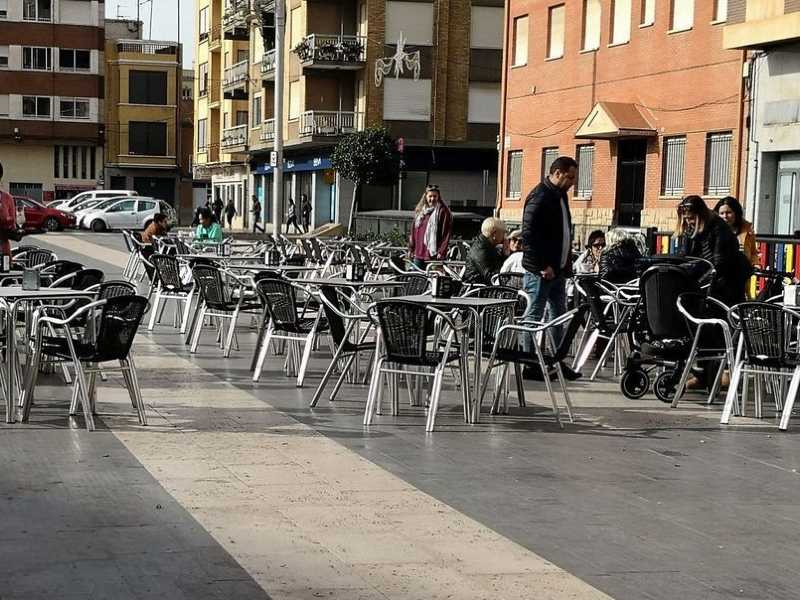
(611, 120)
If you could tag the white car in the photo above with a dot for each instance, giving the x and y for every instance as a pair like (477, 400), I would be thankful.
(70, 204)
(88, 206)
(127, 213)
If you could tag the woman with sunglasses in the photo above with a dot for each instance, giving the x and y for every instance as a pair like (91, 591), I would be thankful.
(430, 231)
(588, 261)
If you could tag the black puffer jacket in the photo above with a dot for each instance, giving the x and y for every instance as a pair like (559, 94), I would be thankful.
(618, 263)
(718, 245)
(483, 261)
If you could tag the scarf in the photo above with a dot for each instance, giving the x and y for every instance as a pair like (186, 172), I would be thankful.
(430, 229)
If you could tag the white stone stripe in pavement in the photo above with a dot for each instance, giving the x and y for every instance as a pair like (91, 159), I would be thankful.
(304, 516)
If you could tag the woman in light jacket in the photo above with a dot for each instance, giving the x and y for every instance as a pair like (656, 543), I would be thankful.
(731, 212)
(430, 231)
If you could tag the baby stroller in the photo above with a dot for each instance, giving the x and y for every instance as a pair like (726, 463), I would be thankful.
(657, 332)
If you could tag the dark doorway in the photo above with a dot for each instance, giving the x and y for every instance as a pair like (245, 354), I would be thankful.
(631, 157)
(162, 188)
(118, 182)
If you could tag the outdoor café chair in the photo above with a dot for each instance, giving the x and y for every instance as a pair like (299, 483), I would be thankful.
(509, 279)
(116, 322)
(58, 268)
(287, 321)
(403, 347)
(768, 351)
(34, 257)
(221, 301)
(170, 286)
(341, 322)
(416, 283)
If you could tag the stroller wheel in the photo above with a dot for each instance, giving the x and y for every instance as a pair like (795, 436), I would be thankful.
(665, 384)
(634, 383)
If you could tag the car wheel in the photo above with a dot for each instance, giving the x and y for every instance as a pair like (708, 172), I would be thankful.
(98, 226)
(51, 224)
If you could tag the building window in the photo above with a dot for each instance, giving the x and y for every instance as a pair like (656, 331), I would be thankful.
(520, 41)
(620, 21)
(681, 15)
(73, 108)
(548, 156)
(4, 100)
(720, 11)
(203, 25)
(147, 138)
(203, 79)
(74, 162)
(56, 161)
(36, 10)
(3, 57)
(74, 60)
(514, 183)
(202, 141)
(241, 117)
(295, 99)
(37, 107)
(147, 87)
(37, 59)
(674, 152)
(591, 25)
(241, 55)
(648, 12)
(31, 190)
(84, 160)
(483, 102)
(65, 161)
(92, 163)
(583, 187)
(255, 119)
(3, 9)
(555, 32)
(718, 164)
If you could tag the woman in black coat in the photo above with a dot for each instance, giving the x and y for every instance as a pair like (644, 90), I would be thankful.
(705, 235)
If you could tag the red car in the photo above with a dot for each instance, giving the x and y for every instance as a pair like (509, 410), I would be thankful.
(38, 216)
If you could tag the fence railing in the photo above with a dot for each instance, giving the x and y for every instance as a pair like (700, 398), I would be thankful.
(332, 48)
(147, 47)
(329, 123)
(236, 73)
(267, 130)
(268, 62)
(234, 136)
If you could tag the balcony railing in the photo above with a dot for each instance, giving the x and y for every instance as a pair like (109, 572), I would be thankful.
(235, 14)
(147, 47)
(234, 136)
(267, 130)
(329, 123)
(268, 63)
(236, 74)
(330, 50)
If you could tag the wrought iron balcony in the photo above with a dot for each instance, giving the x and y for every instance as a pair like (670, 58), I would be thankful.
(235, 136)
(234, 19)
(267, 130)
(324, 51)
(325, 123)
(268, 65)
(234, 80)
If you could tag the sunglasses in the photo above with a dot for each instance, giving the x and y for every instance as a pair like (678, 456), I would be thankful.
(599, 245)
(515, 240)
(432, 188)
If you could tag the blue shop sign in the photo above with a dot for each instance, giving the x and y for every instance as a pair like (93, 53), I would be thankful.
(291, 165)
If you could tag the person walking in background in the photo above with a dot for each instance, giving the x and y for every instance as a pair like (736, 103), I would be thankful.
(217, 208)
(257, 215)
(230, 213)
(547, 247)
(730, 210)
(305, 212)
(430, 231)
(484, 258)
(291, 217)
(588, 261)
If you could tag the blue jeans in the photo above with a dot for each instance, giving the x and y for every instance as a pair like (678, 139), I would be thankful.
(548, 296)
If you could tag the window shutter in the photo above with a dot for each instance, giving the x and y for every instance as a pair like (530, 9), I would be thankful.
(406, 99)
(483, 102)
(591, 24)
(486, 27)
(413, 19)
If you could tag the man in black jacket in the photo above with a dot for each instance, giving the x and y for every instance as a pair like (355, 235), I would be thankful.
(484, 259)
(547, 243)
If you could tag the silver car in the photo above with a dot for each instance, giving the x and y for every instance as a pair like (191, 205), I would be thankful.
(84, 208)
(127, 213)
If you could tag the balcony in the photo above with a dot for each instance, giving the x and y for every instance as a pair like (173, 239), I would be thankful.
(147, 47)
(215, 38)
(321, 51)
(234, 80)
(267, 130)
(234, 20)
(268, 65)
(235, 138)
(322, 123)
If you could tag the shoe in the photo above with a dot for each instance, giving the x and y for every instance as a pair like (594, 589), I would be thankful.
(693, 383)
(533, 373)
(569, 374)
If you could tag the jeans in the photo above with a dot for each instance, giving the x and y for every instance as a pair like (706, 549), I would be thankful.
(548, 295)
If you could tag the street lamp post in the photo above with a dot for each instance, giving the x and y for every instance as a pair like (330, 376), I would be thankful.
(277, 171)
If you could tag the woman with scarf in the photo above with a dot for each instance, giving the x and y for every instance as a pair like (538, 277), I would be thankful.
(430, 231)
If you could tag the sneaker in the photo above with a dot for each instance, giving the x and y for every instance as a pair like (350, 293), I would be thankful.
(569, 374)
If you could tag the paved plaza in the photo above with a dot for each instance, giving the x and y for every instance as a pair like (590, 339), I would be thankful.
(239, 490)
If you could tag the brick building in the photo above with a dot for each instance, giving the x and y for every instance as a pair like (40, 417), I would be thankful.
(641, 92)
(51, 96)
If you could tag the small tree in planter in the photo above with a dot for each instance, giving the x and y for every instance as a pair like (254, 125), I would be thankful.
(366, 157)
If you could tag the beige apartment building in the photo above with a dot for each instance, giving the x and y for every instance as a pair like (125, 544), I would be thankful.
(427, 70)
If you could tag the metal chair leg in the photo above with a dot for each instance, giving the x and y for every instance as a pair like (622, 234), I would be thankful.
(262, 354)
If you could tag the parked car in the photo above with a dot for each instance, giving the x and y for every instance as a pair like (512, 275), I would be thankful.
(128, 213)
(38, 216)
(70, 204)
(88, 205)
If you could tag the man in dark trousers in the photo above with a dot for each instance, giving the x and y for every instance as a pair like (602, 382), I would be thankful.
(257, 215)
(547, 245)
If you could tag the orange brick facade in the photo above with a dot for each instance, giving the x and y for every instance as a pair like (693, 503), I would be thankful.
(683, 83)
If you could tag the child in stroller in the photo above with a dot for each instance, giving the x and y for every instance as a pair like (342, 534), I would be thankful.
(657, 333)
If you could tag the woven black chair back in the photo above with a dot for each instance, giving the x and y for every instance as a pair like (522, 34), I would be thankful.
(59, 268)
(763, 327)
(335, 321)
(114, 289)
(510, 279)
(39, 256)
(415, 284)
(496, 316)
(86, 278)
(168, 271)
(119, 320)
(280, 300)
(403, 330)
(213, 290)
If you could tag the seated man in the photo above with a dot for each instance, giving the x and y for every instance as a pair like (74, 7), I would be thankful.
(208, 231)
(156, 228)
(484, 258)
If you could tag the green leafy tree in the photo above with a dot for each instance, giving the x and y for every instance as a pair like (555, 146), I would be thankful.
(366, 157)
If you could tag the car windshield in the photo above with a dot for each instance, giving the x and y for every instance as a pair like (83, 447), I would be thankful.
(106, 203)
(86, 204)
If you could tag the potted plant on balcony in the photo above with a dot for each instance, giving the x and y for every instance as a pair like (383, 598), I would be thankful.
(366, 157)
(351, 50)
(303, 51)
